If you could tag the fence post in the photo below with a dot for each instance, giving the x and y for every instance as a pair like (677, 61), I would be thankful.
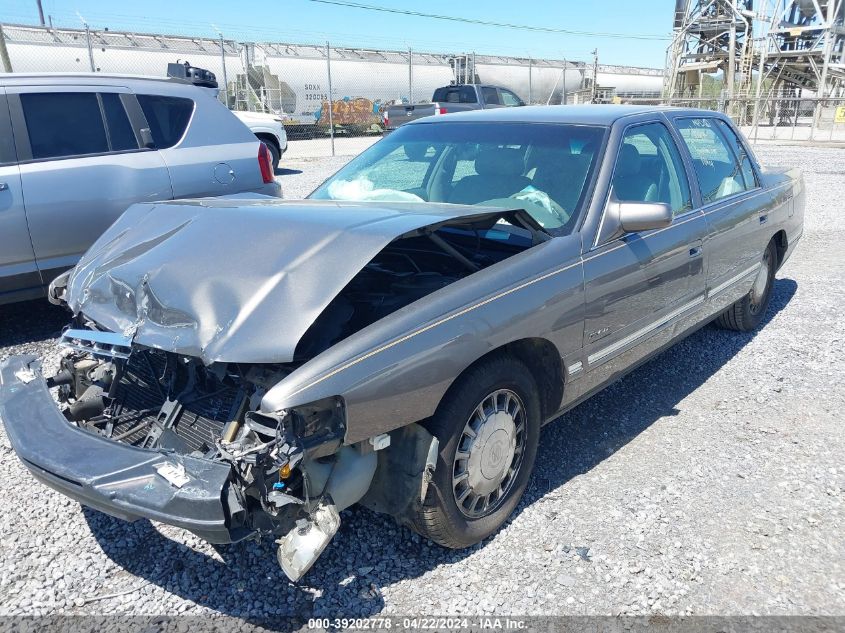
(563, 93)
(530, 82)
(4, 52)
(410, 76)
(90, 50)
(329, 75)
(225, 77)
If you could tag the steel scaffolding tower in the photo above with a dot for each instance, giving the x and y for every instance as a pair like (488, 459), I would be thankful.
(711, 36)
(805, 48)
(791, 44)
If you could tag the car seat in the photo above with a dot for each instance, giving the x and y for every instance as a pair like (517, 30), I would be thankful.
(499, 175)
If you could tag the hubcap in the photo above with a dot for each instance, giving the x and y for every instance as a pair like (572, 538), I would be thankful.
(489, 453)
(761, 282)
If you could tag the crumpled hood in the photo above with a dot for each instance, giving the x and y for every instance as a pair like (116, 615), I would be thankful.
(233, 279)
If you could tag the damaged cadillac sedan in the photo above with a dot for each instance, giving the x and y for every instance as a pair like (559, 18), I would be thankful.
(244, 368)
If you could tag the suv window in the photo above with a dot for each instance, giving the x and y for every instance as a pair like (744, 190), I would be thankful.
(7, 142)
(510, 99)
(716, 167)
(741, 153)
(64, 124)
(649, 169)
(121, 136)
(168, 118)
(491, 95)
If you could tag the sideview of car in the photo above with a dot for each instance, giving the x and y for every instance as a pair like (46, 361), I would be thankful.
(253, 367)
(77, 150)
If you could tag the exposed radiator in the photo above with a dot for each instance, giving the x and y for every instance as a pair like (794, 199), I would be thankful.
(140, 397)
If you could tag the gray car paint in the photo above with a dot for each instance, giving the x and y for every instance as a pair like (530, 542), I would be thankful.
(164, 272)
(396, 371)
(58, 207)
(641, 291)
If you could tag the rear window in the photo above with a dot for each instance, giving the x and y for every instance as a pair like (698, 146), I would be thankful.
(168, 118)
(455, 94)
(64, 124)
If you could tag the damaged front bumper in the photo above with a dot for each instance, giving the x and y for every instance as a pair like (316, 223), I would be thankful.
(117, 479)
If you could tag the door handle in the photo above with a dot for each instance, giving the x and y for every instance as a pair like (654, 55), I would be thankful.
(695, 251)
(3, 186)
(764, 219)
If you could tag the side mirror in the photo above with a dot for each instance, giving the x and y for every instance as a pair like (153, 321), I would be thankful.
(644, 216)
(629, 217)
(147, 138)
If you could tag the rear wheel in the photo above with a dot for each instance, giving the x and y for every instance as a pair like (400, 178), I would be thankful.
(488, 426)
(747, 313)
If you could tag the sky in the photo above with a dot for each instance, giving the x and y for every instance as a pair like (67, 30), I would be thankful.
(306, 21)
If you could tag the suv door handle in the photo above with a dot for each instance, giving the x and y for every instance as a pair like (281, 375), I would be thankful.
(764, 219)
(3, 186)
(695, 251)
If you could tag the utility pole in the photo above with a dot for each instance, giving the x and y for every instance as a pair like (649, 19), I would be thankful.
(40, 12)
(594, 92)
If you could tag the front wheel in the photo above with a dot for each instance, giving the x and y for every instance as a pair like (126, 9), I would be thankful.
(747, 313)
(488, 426)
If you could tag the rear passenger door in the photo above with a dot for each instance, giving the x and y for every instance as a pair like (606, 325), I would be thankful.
(18, 271)
(734, 212)
(81, 166)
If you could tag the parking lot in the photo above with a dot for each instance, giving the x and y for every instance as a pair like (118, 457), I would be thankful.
(709, 481)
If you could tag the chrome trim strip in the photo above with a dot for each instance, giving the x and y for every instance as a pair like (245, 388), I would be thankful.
(654, 325)
(724, 285)
(574, 368)
(105, 344)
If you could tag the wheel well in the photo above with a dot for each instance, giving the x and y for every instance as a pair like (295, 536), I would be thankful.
(269, 139)
(542, 359)
(781, 243)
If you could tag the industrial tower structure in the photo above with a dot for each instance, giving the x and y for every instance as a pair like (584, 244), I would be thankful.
(761, 47)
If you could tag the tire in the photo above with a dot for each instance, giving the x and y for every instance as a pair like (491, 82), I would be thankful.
(509, 383)
(746, 314)
(275, 154)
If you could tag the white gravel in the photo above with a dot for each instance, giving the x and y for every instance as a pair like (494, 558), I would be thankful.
(709, 481)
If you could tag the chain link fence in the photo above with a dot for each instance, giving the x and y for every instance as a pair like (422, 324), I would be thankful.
(329, 94)
(780, 117)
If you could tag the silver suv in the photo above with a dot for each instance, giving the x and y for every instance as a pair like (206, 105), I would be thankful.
(77, 150)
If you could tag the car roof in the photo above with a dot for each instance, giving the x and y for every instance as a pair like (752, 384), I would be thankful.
(92, 79)
(593, 114)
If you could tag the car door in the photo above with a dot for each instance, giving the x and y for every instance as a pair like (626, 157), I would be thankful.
(18, 271)
(81, 166)
(734, 212)
(640, 285)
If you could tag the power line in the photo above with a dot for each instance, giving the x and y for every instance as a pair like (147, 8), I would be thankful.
(506, 25)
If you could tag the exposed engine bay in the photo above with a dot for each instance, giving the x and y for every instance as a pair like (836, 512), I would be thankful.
(290, 472)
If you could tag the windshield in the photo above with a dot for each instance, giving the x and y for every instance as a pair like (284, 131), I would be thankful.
(542, 168)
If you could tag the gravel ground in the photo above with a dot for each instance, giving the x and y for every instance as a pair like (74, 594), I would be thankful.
(709, 481)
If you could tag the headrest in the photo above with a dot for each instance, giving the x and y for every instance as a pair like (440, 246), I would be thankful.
(629, 161)
(500, 162)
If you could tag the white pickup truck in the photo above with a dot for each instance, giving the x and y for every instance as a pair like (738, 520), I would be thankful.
(269, 129)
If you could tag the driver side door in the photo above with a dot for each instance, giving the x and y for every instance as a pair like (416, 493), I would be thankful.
(640, 285)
